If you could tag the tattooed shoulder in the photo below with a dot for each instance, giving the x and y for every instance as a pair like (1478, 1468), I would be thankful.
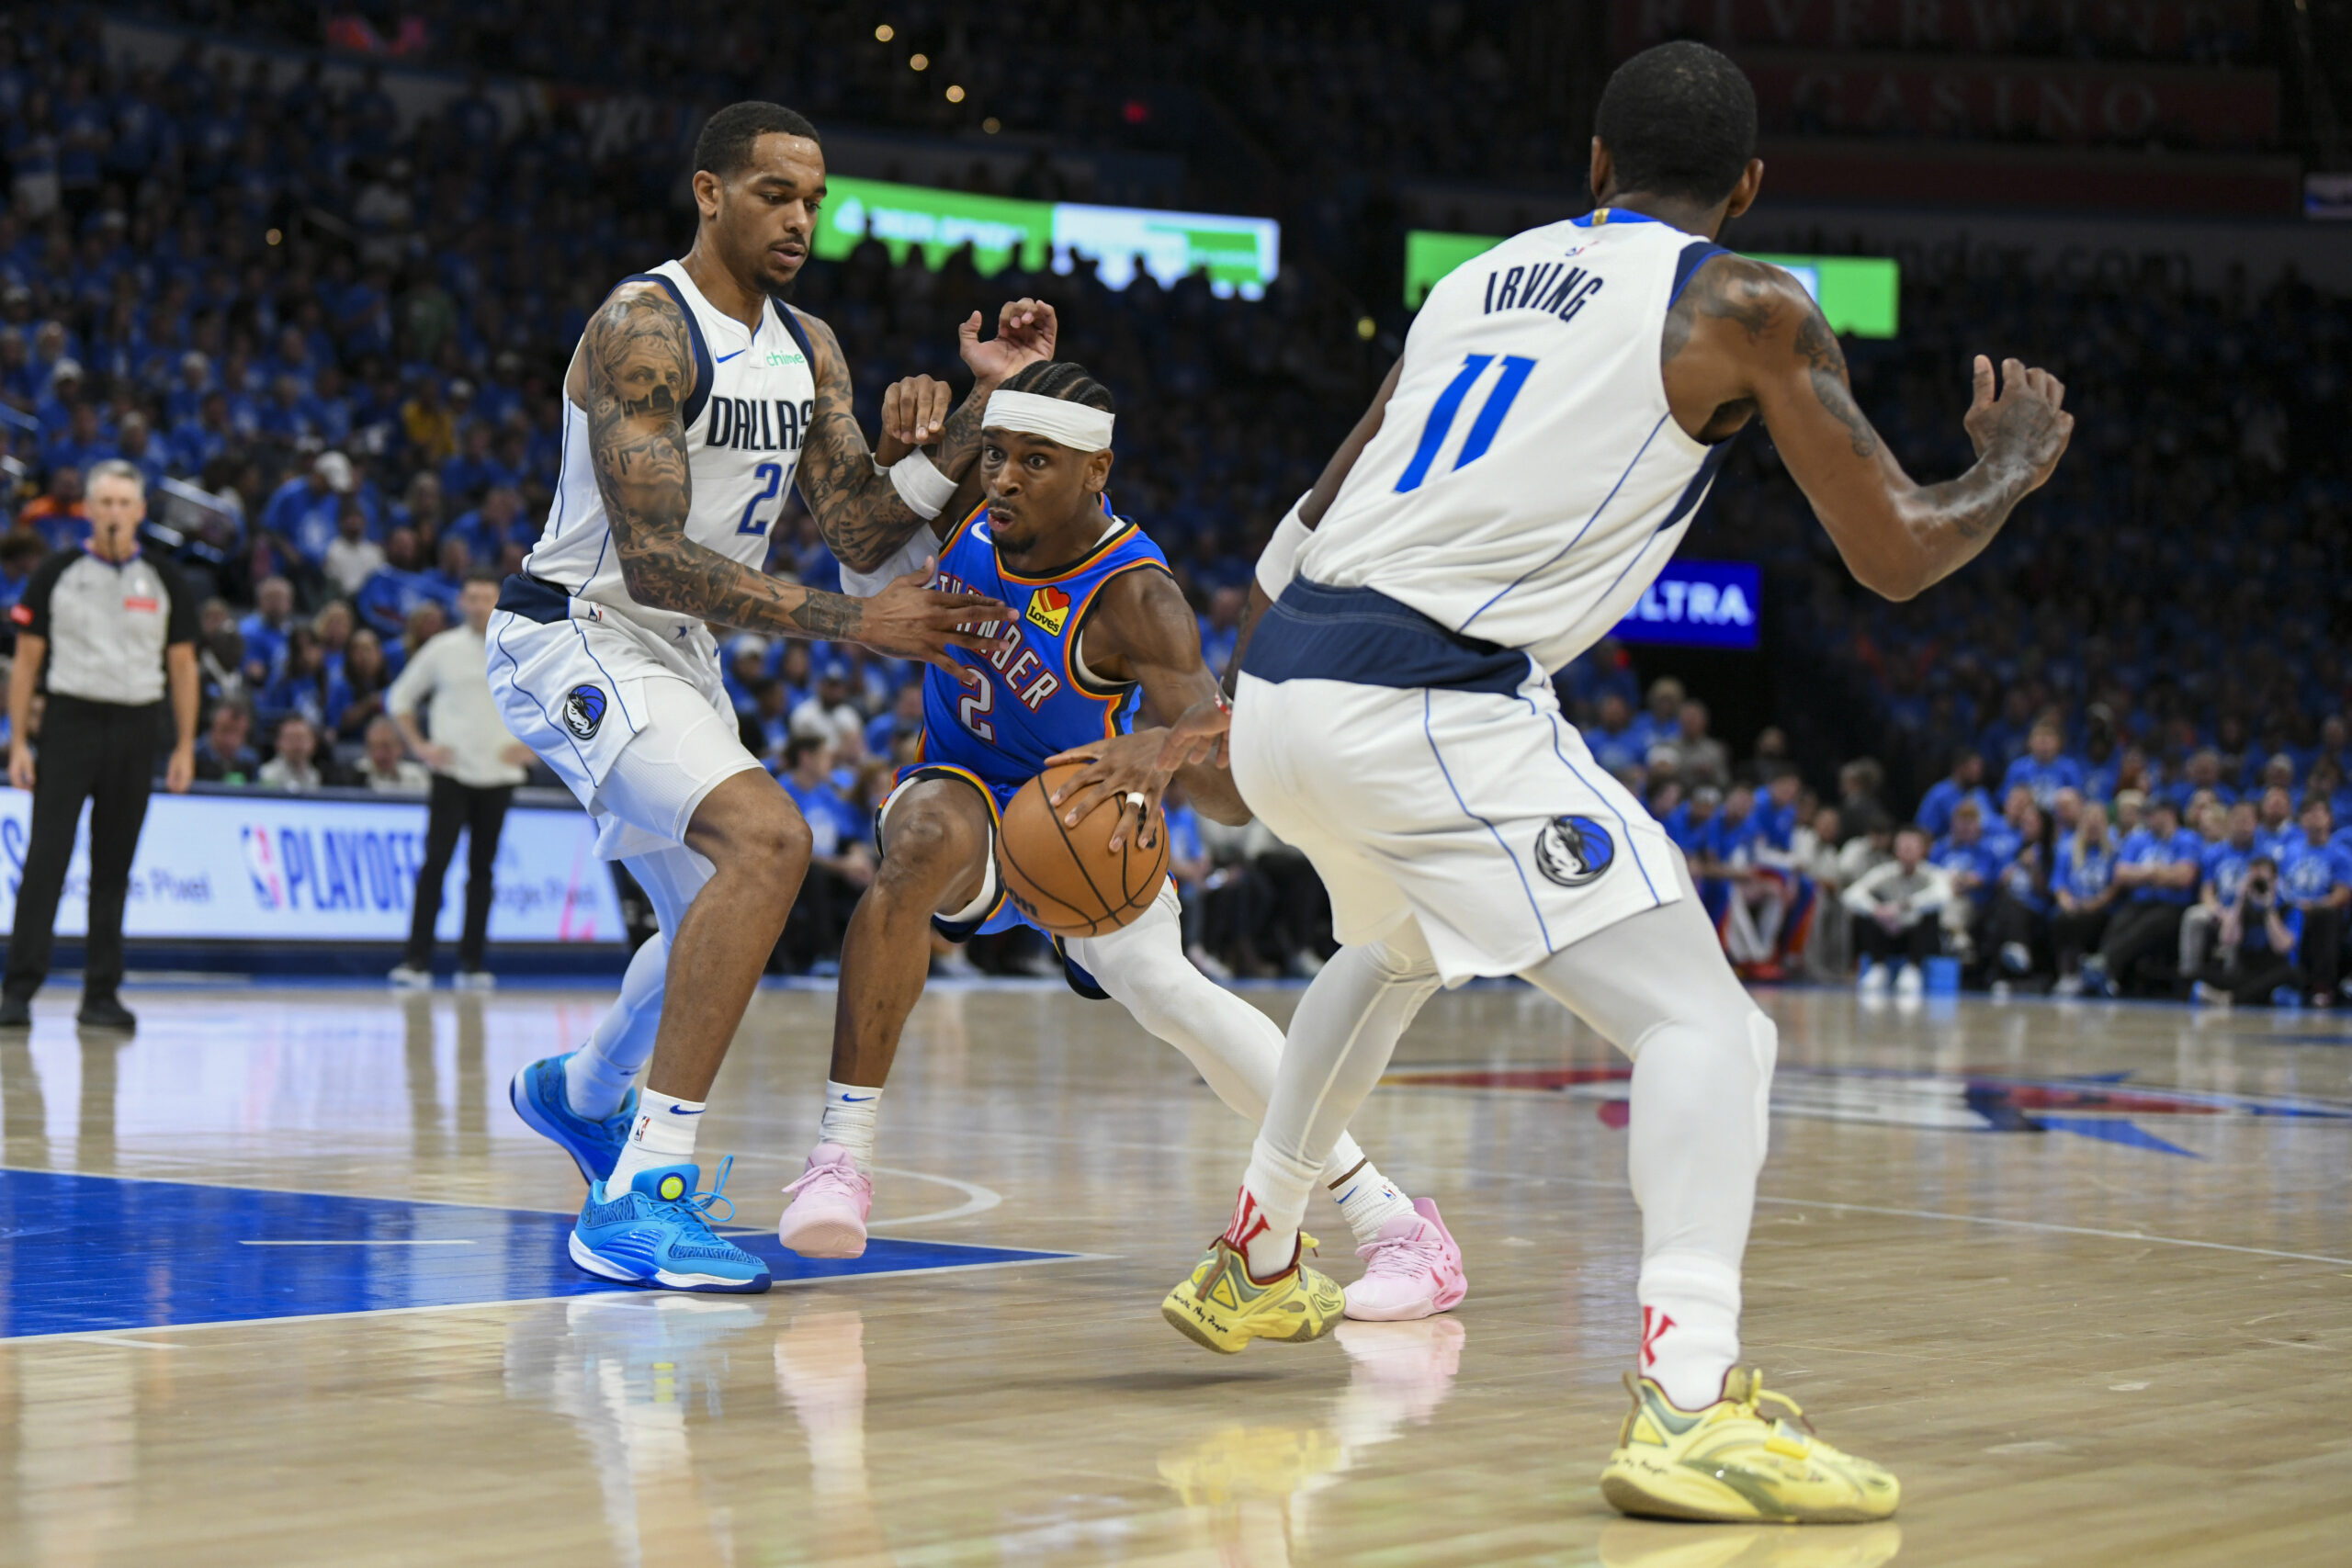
(1749, 295)
(639, 360)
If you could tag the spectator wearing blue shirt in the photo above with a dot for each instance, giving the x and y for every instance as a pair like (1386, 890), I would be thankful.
(1662, 722)
(266, 630)
(1965, 782)
(2157, 869)
(402, 585)
(901, 721)
(489, 528)
(2229, 854)
(303, 510)
(747, 666)
(2258, 945)
(1221, 627)
(2203, 775)
(2315, 880)
(840, 864)
(2083, 888)
(1615, 745)
(2043, 770)
(2017, 921)
(765, 726)
(1974, 866)
(2274, 823)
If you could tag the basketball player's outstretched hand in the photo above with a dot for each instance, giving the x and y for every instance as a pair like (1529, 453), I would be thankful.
(914, 411)
(2026, 424)
(912, 620)
(1025, 335)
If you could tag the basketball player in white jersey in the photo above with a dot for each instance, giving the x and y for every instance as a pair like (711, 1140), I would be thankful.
(1561, 408)
(696, 399)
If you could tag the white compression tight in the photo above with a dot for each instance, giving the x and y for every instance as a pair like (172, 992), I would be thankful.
(599, 1074)
(1658, 988)
(1235, 1048)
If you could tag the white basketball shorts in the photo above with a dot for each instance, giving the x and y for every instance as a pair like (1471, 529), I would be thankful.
(1480, 816)
(638, 730)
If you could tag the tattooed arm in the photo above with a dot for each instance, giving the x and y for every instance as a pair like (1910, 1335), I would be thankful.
(1746, 341)
(859, 512)
(638, 372)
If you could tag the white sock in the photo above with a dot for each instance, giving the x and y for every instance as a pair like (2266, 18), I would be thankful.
(1267, 1211)
(1689, 1325)
(1368, 1200)
(852, 1113)
(663, 1135)
(597, 1077)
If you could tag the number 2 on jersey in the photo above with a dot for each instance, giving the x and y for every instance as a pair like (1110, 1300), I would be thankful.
(976, 701)
(773, 474)
(1449, 403)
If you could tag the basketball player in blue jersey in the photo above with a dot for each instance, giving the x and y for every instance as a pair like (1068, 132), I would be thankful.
(1561, 408)
(1101, 632)
(696, 399)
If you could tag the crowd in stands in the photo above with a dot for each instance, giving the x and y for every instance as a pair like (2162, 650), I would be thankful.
(343, 424)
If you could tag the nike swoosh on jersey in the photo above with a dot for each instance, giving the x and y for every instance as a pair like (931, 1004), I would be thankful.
(723, 359)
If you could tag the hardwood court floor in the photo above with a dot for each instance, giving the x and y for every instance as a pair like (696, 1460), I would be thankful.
(2080, 1274)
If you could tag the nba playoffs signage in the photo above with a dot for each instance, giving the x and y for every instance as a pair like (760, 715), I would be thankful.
(1699, 603)
(1240, 255)
(288, 868)
(1858, 294)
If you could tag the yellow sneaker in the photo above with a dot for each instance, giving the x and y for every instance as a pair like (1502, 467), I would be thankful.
(1219, 1305)
(1731, 1461)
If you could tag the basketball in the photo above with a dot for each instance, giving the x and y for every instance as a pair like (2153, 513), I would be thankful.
(1064, 878)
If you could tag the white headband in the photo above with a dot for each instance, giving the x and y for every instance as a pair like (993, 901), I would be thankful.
(1076, 426)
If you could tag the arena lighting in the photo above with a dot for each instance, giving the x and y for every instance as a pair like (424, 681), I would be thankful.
(1240, 255)
(884, 33)
(1858, 294)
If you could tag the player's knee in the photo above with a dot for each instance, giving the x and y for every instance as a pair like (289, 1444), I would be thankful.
(775, 841)
(927, 853)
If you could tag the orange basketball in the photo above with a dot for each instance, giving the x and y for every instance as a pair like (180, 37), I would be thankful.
(1063, 878)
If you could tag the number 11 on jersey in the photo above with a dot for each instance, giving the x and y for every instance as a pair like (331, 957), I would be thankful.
(1514, 375)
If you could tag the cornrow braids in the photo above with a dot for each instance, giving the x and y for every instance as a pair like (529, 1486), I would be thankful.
(1064, 381)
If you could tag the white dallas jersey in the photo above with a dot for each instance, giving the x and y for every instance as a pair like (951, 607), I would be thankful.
(1528, 482)
(754, 395)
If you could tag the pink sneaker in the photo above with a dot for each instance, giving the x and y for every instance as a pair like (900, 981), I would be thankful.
(1413, 1270)
(827, 1216)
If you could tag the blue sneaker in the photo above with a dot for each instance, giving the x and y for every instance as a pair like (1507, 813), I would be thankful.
(537, 1094)
(657, 1232)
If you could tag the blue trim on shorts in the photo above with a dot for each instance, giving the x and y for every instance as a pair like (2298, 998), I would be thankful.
(1542, 930)
(1363, 637)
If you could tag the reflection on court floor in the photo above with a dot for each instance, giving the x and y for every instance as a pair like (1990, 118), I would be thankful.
(284, 1270)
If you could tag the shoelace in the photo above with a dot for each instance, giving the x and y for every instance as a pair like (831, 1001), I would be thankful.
(1755, 1394)
(842, 1177)
(702, 1203)
(1421, 1249)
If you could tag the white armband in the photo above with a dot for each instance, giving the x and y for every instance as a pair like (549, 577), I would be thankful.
(1278, 563)
(922, 487)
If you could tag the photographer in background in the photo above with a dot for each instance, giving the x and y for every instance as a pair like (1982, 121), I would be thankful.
(2256, 962)
(113, 625)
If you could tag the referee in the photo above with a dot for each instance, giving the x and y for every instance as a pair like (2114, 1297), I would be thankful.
(111, 622)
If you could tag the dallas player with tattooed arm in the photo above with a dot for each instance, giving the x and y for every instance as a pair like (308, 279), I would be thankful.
(1562, 405)
(1104, 634)
(697, 397)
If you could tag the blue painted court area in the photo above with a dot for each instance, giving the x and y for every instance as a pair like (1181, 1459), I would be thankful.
(81, 1254)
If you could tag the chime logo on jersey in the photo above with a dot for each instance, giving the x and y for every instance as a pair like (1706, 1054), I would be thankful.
(1574, 850)
(1049, 608)
(583, 711)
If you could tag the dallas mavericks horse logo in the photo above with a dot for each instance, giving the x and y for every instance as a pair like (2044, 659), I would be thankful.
(583, 711)
(1574, 850)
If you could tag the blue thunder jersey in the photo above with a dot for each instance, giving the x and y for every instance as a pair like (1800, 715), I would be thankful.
(1035, 697)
